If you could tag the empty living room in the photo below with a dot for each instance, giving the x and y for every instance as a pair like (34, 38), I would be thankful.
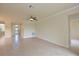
(39, 29)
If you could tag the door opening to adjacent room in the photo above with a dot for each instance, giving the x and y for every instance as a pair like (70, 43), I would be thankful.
(16, 35)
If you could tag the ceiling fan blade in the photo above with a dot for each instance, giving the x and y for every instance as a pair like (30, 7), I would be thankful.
(33, 18)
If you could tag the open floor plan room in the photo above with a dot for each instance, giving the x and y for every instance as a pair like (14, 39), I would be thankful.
(39, 29)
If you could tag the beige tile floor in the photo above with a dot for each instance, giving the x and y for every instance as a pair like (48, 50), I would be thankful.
(34, 47)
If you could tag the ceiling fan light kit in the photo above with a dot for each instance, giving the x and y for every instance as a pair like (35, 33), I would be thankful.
(33, 18)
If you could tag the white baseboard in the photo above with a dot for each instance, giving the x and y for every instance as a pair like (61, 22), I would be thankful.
(48, 41)
(54, 43)
(28, 36)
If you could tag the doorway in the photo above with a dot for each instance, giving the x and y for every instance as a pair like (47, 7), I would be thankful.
(74, 32)
(16, 35)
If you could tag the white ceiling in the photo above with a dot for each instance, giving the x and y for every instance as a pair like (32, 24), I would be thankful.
(40, 10)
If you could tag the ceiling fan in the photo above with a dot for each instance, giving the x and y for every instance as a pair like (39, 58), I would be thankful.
(33, 18)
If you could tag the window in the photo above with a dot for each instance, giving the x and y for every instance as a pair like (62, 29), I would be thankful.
(2, 30)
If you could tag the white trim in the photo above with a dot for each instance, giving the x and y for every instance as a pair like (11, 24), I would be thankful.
(54, 42)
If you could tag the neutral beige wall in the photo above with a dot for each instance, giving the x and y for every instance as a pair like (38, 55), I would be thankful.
(54, 29)
(29, 28)
(74, 27)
